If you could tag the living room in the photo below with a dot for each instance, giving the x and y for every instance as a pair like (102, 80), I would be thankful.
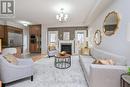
(90, 37)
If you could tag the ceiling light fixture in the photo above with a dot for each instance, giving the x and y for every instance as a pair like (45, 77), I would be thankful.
(62, 16)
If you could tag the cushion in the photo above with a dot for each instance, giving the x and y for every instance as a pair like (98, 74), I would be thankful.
(101, 54)
(111, 62)
(11, 58)
(108, 61)
(103, 61)
(51, 48)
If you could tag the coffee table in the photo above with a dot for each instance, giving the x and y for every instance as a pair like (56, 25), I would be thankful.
(63, 62)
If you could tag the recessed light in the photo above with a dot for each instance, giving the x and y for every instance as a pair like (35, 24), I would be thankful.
(25, 23)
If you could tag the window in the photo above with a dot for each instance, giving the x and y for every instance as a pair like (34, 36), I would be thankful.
(80, 37)
(52, 36)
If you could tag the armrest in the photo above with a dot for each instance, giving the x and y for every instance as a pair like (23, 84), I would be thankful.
(10, 71)
(25, 61)
(17, 66)
(105, 75)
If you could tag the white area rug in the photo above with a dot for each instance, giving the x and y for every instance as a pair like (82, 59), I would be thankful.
(46, 75)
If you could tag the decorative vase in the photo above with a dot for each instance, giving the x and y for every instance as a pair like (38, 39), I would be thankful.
(62, 53)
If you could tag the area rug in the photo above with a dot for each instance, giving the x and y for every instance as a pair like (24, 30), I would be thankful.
(46, 75)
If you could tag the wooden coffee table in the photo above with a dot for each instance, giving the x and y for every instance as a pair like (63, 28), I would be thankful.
(63, 62)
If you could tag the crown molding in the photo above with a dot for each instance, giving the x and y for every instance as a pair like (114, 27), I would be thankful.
(100, 6)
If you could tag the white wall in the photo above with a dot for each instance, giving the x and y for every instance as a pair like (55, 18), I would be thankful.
(2, 22)
(44, 39)
(117, 43)
(26, 41)
(15, 24)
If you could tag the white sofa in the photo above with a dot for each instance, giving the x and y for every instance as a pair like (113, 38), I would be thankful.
(52, 53)
(98, 75)
(11, 72)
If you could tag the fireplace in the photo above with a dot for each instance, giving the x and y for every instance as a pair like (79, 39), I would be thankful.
(66, 45)
(67, 48)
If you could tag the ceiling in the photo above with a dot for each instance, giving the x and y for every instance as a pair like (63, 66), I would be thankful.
(44, 11)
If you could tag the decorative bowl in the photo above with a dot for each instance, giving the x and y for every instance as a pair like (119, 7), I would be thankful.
(62, 53)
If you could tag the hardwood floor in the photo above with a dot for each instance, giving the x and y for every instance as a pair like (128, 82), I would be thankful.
(35, 56)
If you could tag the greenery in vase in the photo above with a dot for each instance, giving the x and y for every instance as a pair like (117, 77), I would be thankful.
(129, 70)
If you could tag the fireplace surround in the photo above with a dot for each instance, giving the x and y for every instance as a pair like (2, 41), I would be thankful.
(67, 46)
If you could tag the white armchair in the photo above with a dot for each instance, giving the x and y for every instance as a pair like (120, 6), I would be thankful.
(10, 72)
(52, 50)
(52, 53)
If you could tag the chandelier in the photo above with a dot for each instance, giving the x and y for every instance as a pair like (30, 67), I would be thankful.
(62, 16)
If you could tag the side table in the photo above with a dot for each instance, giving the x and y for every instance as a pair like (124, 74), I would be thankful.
(125, 80)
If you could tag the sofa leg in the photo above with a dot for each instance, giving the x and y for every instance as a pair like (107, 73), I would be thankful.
(31, 78)
(3, 84)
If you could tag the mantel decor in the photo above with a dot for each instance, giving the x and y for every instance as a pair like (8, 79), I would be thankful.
(62, 53)
(111, 23)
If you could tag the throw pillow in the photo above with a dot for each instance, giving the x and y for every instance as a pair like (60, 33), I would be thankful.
(103, 61)
(50, 48)
(111, 62)
(96, 61)
(11, 58)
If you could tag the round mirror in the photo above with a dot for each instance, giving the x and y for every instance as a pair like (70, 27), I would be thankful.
(111, 23)
(97, 37)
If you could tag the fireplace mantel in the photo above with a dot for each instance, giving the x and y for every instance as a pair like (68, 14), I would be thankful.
(66, 42)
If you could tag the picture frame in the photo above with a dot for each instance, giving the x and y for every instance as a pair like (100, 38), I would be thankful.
(66, 36)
